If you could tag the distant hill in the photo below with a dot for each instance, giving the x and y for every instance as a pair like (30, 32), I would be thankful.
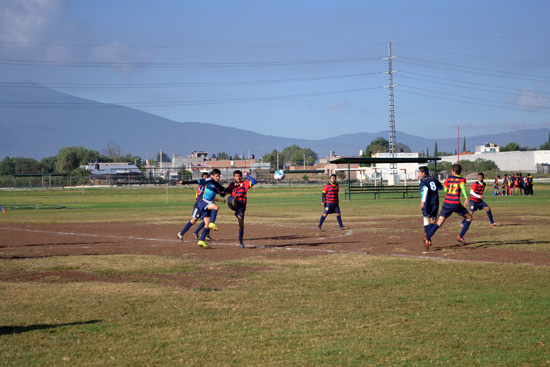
(35, 132)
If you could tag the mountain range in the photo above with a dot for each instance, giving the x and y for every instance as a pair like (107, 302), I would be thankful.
(36, 121)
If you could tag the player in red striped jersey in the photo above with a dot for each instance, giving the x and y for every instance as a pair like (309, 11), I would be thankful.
(330, 202)
(476, 199)
(454, 186)
(237, 199)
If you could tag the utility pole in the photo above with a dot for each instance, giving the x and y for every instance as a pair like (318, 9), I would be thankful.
(390, 86)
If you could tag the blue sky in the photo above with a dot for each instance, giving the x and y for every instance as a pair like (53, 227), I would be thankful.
(306, 69)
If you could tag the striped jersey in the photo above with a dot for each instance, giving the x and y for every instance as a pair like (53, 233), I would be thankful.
(239, 190)
(496, 182)
(452, 186)
(331, 193)
(477, 189)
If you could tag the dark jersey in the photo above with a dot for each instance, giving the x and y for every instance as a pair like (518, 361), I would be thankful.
(428, 190)
(477, 188)
(453, 187)
(330, 192)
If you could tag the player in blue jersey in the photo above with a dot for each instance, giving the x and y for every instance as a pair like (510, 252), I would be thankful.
(207, 208)
(195, 215)
(429, 202)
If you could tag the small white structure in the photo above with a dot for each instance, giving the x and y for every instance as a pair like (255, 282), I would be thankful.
(487, 148)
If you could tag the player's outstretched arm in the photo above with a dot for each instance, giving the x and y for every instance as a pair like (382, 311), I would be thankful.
(192, 182)
(3, 210)
(252, 180)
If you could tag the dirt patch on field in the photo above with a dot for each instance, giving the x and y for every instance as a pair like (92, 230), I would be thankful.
(380, 237)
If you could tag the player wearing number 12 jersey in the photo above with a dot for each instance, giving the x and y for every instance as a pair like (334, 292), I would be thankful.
(454, 186)
(429, 203)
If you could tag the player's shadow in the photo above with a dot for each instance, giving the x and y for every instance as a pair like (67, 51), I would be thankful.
(489, 244)
(280, 238)
(11, 330)
(62, 244)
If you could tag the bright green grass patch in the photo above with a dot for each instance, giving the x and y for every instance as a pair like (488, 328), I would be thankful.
(346, 310)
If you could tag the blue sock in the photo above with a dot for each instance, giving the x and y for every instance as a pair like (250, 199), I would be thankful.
(321, 220)
(201, 226)
(241, 233)
(339, 219)
(490, 215)
(463, 220)
(434, 229)
(205, 232)
(186, 228)
(213, 216)
(427, 229)
(465, 228)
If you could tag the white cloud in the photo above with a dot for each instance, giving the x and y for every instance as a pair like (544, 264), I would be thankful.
(341, 103)
(529, 100)
(40, 30)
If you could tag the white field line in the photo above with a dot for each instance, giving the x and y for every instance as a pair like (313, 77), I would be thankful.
(276, 247)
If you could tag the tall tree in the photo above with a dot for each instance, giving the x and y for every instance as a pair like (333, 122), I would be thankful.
(377, 145)
(435, 150)
(464, 146)
(70, 158)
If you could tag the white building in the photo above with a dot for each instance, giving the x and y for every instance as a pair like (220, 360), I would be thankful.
(487, 148)
(515, 161)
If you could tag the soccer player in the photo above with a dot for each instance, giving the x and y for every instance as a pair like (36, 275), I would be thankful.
(517, 180)
(207, 207)
(429, 202)
(476, 199)
(529, 184)
(496, 192)
(454, 186)
(196, 214)
(505, 184)
(3, 210)
(330, 202)
(237, 198)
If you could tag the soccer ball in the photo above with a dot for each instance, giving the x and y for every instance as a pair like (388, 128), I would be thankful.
(279, 175)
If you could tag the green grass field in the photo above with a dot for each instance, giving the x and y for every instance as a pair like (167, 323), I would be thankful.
(325, 310)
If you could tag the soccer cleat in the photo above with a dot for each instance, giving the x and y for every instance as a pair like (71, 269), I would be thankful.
(196, 235)
(213, 226)
(319, 229)
(202, 244)
(344, 228)
(180, 237)
(427, 243)
(208, 238)
(241, 245)
(494, 224)
(461, 240)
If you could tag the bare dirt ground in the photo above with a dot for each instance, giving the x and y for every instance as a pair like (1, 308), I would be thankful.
(383, 238)
(44, 240)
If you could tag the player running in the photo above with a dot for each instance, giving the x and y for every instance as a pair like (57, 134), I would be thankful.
(237, 198)
(207, 207)
(429, 202)
(476, 199)
(330, 202)
(454, 186)
(496, 192)
(195, 215)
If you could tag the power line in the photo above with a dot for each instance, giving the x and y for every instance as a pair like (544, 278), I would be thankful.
(95, 64)
(92, 104)
(174, 85)
(232, 47)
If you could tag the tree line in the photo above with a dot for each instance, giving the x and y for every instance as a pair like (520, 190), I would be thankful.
(67, 160)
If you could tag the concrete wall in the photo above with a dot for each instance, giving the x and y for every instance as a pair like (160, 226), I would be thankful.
(509, 161)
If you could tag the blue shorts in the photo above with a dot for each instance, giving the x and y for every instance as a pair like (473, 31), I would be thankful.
(331, 208)
(448, 209)
(430, 210)
(203, 204)
(196, 211)
(477, 206)
(239, 210)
